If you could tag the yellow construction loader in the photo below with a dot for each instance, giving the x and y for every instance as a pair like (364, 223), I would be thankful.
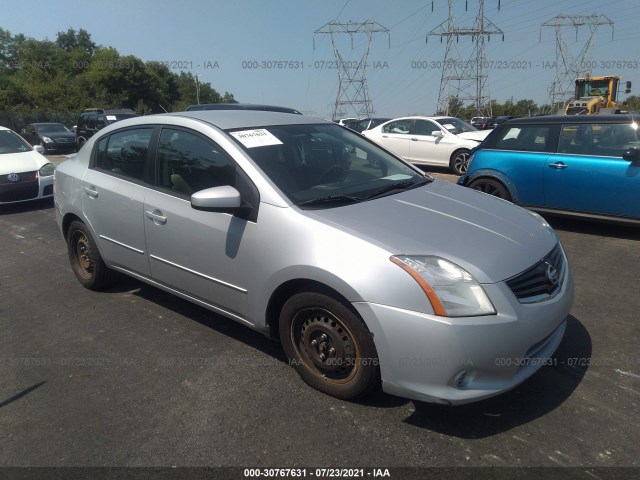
(596, 95)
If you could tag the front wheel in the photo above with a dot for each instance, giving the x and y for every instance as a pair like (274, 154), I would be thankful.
(491, 187)
(329, 345)
(85, 259)
(459, 162)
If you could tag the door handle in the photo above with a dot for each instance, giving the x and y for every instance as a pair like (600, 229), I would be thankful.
(156, 216)
(385, 136)
(91, 191)
(414, 139)
(558, 165)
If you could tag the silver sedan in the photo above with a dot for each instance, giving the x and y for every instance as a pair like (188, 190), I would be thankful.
(365, 268)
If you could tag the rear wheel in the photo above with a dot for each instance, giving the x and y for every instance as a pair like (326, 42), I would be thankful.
(329, 345)
(459, 162)
(491, 187)
(85, 259)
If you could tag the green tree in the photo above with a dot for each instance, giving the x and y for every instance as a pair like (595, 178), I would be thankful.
(73, 73)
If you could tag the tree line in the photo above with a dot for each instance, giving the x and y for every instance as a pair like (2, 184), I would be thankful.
(73, 73)
(520, 108)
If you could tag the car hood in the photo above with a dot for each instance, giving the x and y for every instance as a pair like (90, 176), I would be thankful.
(489, 237)
(58, 135)
(21, 162)
(478, 136)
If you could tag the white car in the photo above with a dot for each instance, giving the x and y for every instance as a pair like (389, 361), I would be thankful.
(429, 140)
(25, 174)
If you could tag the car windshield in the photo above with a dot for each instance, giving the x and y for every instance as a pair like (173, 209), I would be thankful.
(455, 125)
(51, 128)
(323, 166)
(10, 142)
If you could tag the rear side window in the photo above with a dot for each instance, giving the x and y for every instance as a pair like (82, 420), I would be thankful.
(605, 140)
(399, 126)
(527, 138)
(124, 153)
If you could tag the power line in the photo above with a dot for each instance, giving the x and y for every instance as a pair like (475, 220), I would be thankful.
(353, 95)
(568, 66)
(464, 78)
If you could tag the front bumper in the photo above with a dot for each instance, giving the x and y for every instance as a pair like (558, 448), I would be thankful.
(460, 360)
(40, 187)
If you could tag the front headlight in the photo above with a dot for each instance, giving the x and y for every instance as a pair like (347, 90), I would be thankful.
(47, 170)
(47, 140)
(452, 291)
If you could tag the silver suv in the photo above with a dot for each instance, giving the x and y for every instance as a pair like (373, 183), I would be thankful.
(94, 119)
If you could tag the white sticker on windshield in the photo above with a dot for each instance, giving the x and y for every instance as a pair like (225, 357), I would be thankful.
(111, 117)
(256, 138)
(448, 126)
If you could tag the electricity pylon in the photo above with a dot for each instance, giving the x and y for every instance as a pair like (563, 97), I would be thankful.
(353, 94)
(464, 78)
(569, 67)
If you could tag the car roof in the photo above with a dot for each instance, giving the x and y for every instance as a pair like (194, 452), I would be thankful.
(576, 119)
(232, 119)
(108, 110)
(423, 117)
(241, 106)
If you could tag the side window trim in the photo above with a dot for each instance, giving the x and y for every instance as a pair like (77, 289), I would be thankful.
(148, 169)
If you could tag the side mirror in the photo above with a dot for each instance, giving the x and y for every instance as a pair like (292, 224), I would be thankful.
(633, 155)
(437, 133)
(218, 199)
(39, 149)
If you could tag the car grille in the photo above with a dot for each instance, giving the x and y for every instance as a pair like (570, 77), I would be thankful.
(23, 177)
(65, 140)
(542, 281)
(25, 188)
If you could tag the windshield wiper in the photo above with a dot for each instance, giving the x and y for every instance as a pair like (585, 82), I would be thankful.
(331, 199)
(399, 186)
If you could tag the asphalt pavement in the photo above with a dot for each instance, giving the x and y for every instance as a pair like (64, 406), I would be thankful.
(136, 377)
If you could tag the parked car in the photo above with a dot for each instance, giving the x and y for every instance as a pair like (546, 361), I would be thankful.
(429, 140)
(346, 120)
(94, 119)
(241, 106)
(495, 121)
(54, 137)
(366, 124)
(364, 267)
(578, 165)
(25, 174)
(482, 123)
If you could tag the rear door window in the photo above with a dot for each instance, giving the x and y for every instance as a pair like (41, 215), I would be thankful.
(124, 153)
(604, 140)
(399, 126)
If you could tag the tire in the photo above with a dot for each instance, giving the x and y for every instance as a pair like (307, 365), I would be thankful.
(85, 259)
(329, 345)
(491, 187)
(459, 162)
